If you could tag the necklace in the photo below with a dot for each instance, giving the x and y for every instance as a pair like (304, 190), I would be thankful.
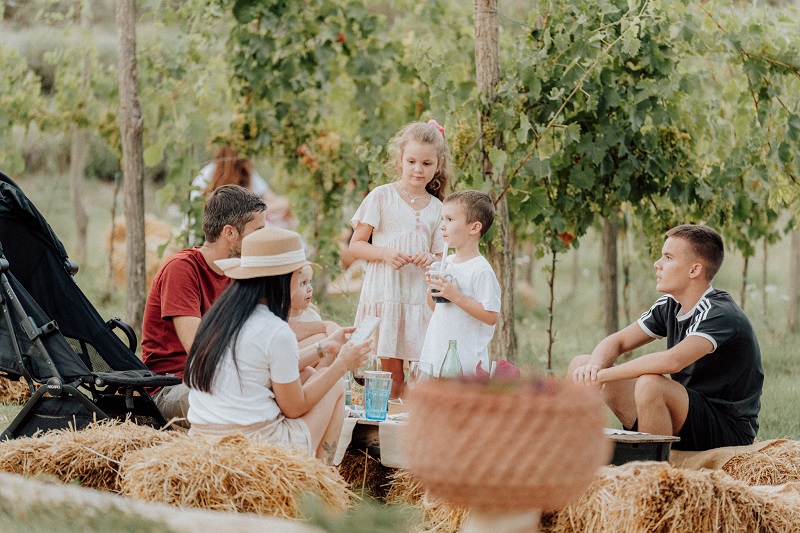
(410, 196)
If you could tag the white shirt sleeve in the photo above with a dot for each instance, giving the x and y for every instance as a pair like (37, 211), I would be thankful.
(284, 356)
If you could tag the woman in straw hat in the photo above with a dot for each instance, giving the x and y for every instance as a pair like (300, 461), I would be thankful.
(244, 367)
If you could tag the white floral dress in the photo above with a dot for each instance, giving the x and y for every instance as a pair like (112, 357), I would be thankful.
(398, 297)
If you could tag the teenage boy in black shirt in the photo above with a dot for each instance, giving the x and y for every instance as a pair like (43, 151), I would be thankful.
(712, 354)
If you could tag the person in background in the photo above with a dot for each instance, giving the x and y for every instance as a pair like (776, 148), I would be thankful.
(470, 316)
(228, 168)
(245, 372)
(712, 355)
(402, 220)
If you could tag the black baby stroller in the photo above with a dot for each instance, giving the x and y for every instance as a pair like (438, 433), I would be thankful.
(77, 368)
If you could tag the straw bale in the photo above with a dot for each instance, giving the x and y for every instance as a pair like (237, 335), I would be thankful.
(90, 456)
(655, 497)
(437, 515)
(789, 490)
(156, 234)
(231, 474)
(365, 473)
(773, 465)
(14, 392)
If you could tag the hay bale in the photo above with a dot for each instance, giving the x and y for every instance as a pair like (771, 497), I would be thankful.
(437, 515)
(156, 234)
(14, 392)
(24, 456)
(655, 497)
(231, 474)
(90, 456)
(366, 474)
(789, 490)
(773, 465)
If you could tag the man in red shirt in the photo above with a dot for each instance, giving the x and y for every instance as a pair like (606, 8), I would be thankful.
(189, 283)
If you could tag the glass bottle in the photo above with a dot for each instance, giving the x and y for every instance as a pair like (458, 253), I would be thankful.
(451, 366)
(348, 389)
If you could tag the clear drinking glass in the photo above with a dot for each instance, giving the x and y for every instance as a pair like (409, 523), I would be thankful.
(437, 268)
(417, 372)
(371, 364)
(376, 394)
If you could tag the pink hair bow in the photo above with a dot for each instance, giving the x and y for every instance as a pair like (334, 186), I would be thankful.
(438, 126)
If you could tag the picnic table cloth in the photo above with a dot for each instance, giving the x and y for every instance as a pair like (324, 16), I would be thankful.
(390, 436)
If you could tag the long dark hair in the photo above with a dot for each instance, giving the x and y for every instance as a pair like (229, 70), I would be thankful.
(221, 325)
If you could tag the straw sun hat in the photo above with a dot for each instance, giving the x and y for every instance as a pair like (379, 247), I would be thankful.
(266, 252)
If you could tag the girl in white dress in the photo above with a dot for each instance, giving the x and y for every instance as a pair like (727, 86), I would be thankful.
(403, 220)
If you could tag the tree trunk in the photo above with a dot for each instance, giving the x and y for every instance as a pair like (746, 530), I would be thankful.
(529, 270)
(131, 124)
(794, 282)
(626, 275)
(745, 272)
(78, 150)
(77, 167)
(551, 334)
(576, 271)
(501, 248)
(764, 279)
(611, 304)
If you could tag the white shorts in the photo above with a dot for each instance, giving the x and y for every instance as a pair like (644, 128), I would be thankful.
(292, 432)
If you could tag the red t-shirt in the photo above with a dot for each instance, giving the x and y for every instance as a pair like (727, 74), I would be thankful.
(184, 286)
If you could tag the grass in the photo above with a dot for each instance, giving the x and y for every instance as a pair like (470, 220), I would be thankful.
(578, 318)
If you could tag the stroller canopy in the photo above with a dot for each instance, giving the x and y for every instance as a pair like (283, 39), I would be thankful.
(40, 264)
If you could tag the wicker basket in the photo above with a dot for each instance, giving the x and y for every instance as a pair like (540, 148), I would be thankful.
(506, 447)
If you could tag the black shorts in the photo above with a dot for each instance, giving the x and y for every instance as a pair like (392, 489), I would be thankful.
(707, 427)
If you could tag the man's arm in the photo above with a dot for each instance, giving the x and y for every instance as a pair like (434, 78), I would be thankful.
(304, 330)
(608, 350)
(186, 328)
(669, 361)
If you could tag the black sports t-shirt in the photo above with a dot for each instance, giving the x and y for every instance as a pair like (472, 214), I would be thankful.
(731, 376)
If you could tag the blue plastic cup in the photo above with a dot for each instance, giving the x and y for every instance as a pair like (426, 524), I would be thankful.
(377, 386)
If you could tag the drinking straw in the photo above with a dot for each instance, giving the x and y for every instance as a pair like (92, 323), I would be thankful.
(444, 254)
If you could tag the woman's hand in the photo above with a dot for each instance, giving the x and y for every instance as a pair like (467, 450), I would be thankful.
(333, 342)
(423, 259)
(395, 258)
(354, 356)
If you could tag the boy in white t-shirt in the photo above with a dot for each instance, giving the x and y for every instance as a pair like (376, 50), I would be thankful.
(302, 310)
(468, 282)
